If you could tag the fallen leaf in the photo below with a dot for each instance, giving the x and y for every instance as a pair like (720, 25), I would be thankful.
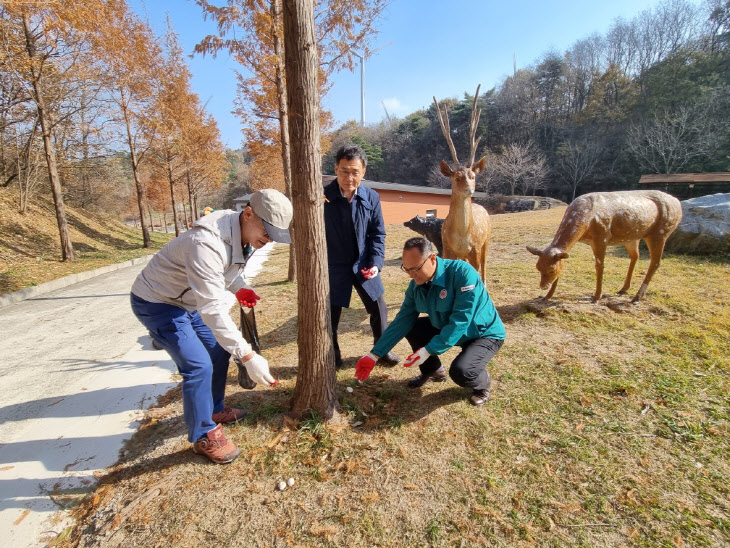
(370, 498)
(22, 517)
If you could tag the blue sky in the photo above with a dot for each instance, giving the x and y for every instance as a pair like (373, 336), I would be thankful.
(427, 47)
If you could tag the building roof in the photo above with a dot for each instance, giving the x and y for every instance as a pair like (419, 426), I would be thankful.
(375, 185)
(398, 187)
(683, 178)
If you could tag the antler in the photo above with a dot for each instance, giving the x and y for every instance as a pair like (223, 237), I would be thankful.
(446, 130)
(475, 115)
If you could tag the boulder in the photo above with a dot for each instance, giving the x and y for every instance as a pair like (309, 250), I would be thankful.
(515, 205)
(705, 226)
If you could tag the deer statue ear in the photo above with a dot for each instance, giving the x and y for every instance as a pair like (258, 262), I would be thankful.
(479, 166)
(560, 256)
(446, 170)
(534, 250)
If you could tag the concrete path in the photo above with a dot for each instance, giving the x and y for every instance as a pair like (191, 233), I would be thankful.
(77, 371)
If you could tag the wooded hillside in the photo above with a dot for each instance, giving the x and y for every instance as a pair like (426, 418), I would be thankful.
(651, 96)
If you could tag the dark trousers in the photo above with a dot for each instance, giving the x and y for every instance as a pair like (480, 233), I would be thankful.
(377, 309)
(468, 368)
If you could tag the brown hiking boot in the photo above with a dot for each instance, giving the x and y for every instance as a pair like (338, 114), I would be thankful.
(437, 376)
(227, 415)
(217, 447)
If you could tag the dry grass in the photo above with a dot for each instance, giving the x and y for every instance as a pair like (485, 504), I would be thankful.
(30, 252)
(608, 426)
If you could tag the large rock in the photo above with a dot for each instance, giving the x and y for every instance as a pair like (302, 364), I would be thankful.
(705, 226)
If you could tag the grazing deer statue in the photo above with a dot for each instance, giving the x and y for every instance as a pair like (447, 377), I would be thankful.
(601, 219)
(466, 229)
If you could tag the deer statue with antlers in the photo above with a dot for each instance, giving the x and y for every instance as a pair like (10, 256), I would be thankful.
(466, 229)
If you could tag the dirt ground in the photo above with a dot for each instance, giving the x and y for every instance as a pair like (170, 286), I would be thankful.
(608, 426)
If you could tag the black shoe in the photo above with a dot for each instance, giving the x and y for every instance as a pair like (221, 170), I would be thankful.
(389, 360)
(479, 397)
(437, 376)
(155, 344)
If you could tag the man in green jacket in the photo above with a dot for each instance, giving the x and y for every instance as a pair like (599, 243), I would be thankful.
(459, 312)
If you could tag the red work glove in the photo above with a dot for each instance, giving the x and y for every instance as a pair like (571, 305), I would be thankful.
(247, 297)
(418, 357)
(368, 273)
(365, 366)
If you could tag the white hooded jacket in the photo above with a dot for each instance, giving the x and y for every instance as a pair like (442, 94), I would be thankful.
(201, 270)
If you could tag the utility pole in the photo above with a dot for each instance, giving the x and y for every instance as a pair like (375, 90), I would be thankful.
(362, 86)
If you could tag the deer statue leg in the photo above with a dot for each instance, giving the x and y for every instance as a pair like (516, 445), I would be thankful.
(656, 248)
(599, 254)
(448, 253)
(552, 290)
(485, 251)
(475, 259)
(633, 250)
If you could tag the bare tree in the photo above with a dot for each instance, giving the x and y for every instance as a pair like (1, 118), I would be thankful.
(669, 141)
(315, 387)
(576, 161)
(523, 168)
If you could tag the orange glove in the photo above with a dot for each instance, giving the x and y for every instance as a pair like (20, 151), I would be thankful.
(247, 297)
(365, 366)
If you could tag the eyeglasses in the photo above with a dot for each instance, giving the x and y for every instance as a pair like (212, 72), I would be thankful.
(415, 268)
(263, 226)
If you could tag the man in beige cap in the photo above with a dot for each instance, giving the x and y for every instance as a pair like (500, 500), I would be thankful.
(183, 297)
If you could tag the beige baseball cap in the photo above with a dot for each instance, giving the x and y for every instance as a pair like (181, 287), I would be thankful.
(276, 211)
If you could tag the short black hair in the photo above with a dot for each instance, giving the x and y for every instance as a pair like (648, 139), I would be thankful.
(422, 244)
(350, 152)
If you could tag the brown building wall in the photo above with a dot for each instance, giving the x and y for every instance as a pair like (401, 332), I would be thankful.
(399, 207)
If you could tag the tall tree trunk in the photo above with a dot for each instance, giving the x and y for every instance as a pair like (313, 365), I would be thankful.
(188, 219)
(149, 214)
(172, 191)
(193, 211)
(67, 250)
(283, 130)
(315, 387)
(139, 187)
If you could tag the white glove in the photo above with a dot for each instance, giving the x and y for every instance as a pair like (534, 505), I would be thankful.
(417, 358)
(258, 369)
(369, 273)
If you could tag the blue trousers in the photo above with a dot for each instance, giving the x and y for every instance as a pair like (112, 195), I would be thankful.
(202, 362)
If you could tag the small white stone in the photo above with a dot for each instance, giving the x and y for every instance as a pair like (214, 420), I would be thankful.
(349, 389)
(290, 482)
(281, 486)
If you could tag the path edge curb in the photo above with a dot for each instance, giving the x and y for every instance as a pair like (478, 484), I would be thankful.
(59, 283)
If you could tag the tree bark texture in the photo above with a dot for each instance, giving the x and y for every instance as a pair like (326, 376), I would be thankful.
(172, 192)
(315, 387)
(139, 188)
(67, 250)
(283, 129)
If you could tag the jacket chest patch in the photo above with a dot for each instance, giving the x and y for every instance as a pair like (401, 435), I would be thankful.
(443, 294)
(467, 288)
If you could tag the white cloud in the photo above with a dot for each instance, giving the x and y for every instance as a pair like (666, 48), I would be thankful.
(394, 106)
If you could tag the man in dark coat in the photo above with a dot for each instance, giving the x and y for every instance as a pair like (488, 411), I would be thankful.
(355, 245)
